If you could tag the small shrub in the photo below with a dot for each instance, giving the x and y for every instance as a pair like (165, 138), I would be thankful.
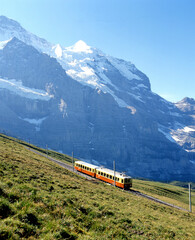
(4, 235)
(95, 204)
(30, 218)
(25, 230)
(107, 213)
(64, 234)
(51, 188)
(70, 201)
(9, 184)
(5, 209)
(84, 210)
(12, 198)
(1, 192)
(126, 220)
(64, 203)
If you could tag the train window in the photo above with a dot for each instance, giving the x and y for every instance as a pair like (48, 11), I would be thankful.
(104, 174)
(122, 180)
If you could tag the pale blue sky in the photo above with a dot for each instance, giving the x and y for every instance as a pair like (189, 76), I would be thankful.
(158, 36)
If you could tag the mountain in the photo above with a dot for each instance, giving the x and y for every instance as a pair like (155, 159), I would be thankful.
(78, 98)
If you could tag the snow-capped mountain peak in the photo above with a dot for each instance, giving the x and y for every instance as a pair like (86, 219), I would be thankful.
(83, 63)
(10, 28)
(80, 47)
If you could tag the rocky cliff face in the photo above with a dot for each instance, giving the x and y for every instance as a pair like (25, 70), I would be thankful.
(80, 99)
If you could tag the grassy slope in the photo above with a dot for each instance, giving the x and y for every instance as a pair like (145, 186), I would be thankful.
(40, 200)
(176, 195)
(170, 193)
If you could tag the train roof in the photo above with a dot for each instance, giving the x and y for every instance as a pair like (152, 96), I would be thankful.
(111, 172)
(87, 164)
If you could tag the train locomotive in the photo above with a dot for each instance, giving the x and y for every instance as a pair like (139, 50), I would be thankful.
(121, 180)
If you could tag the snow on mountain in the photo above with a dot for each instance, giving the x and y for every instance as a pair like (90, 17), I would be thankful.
(17, 87)
(89, 66)
(80, 47)
(10, 28)
(36, 122)
(83, 63)
(179, 134)
(3, 44)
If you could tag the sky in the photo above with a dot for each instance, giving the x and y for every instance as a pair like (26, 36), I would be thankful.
(158, 36)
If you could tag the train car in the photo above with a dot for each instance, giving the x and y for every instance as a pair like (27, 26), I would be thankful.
(86, 168)
(121, 180)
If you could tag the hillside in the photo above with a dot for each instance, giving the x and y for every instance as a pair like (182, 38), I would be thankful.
(40, 200)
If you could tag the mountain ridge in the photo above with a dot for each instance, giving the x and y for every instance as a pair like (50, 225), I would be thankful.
(100, 106)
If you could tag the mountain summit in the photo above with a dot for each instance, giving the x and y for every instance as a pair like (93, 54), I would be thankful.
(102, 107)
(80, 46)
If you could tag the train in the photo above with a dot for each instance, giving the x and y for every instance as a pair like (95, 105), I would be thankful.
(120, 180)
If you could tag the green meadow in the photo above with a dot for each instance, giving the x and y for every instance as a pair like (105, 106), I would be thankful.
(41, 200)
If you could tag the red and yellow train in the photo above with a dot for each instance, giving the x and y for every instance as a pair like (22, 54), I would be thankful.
(119, 179)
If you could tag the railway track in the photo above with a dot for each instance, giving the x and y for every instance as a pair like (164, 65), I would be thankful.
(155, 199)
(137, 193)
